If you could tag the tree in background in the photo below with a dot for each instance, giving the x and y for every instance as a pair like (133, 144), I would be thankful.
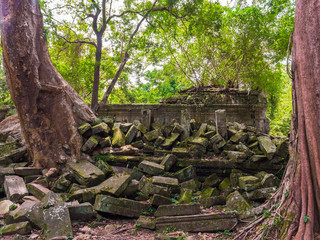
(103, 24)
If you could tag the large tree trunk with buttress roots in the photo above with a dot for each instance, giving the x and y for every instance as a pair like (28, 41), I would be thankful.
(295, 208)
(303, 201)
(48, 108)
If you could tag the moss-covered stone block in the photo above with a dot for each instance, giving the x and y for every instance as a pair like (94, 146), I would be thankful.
(119, 139)
(237, 202)
(249, 183)
(210, 192)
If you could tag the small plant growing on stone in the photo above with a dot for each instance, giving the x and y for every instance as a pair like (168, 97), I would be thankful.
(12, 207)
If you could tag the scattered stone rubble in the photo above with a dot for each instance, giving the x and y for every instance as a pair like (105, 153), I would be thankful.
(196, 177)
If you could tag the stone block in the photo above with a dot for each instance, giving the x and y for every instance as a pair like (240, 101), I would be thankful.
(151, 168)
(198, 223)
(51, 199)
(185, 196)
(84, 128)
(81, 212)
(192, 184)
(260, 194)
(37, 190)
(152, 135)
(104, 167)
(101, 129)
(131, 134)
(178, 210)
(267, 146)
(236, 201)
(165, 182)
(86, 173)
(146, 222)
(120, 206)
(169, 142)
(114, 185)
(212, 201)
(181, 152)
(211, 181)
(168, 161)
(90, 144)
(27, 171)
(236, 156)
(225, 184)
(201, 131)
(185, 174)
(147, 188)
(158, 200)
(22, 228)
(124, 127)
(138, 144)
(201, 141)
(136, 173)
(131, 189)
(28, 211)
(221, 123)
(4, 206)
(58, 223)
(249, 183)
(210, 192)
(15, 188)
(258, 158)
(119, 139)
(105, 142)
(239, 137)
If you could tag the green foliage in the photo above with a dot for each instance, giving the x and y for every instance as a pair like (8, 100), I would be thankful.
(306, 218)
(4, 89)
(280, 111)
(12, 207)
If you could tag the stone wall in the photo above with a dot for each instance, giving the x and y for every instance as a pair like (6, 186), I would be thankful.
(240, 106)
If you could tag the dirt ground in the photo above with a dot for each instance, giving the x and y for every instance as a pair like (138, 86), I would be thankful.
(122, 229)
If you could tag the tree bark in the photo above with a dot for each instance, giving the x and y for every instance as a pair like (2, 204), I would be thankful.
(304, 197)
(296, 205)
(48, 108)
(96, 78)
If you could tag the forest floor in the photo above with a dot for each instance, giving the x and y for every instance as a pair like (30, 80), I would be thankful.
(123, 229)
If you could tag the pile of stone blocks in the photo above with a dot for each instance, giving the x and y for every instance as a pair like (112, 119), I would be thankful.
(175, 174)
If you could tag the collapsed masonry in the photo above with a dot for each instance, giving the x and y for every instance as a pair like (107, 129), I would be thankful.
(191, 176)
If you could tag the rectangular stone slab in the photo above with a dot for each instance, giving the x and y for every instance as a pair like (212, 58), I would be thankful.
(22, 228)
(57, 222)
(15, 188)
(81, 212)
(37, 190)
(151, 168)
(198, 223)
(114, 185)
(27, 171)
(120, 206)
(178, 210)
(27, 211)
(86, 173)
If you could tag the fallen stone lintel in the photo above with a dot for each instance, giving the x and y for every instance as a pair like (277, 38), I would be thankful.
(199, 223)
(120, 206)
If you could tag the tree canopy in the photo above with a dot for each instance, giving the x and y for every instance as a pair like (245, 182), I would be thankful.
(178, 45)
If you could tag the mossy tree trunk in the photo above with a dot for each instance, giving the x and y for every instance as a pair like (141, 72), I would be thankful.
(49, 109)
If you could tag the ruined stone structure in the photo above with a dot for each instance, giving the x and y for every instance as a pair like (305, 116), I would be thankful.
(240, 105)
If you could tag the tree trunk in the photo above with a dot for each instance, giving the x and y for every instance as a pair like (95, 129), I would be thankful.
(49, 109)
(296, 204)
(96, 79)
(304, 197)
